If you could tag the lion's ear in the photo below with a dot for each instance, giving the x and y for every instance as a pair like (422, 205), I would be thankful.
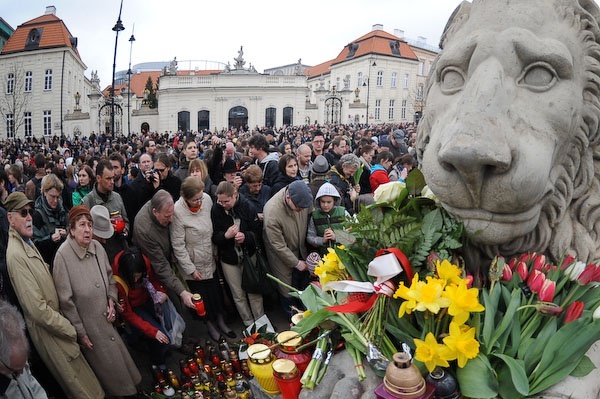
(456, 20)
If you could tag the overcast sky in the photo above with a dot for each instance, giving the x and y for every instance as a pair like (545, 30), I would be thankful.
(273, 32)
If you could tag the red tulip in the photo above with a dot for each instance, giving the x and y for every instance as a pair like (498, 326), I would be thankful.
(507, 273)
(589, 274)
(574, 311)
(536, 280)
(548, 308)
(512, 263)
(567, 261)
(522, 270)
(546, 293)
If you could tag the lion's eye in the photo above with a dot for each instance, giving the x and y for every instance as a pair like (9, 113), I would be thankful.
(538, 77)
(451, 80)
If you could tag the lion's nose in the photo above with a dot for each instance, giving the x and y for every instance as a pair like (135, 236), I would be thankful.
(475, 159)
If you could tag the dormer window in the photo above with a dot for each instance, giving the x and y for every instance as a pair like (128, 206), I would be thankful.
(33, 39)
(352, 47)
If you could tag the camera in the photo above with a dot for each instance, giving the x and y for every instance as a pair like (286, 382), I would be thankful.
(150, 175)
(238, 173)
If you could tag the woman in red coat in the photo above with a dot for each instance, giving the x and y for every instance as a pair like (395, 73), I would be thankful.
(379, 171)
(140, 299)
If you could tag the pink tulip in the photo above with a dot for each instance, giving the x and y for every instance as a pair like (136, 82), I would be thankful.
(506, 273)
(512, 263)
(539, 262)
(546, 293)
(522, 270)
(536, 280)
(469, 279)
(574, 311)
(526, 257)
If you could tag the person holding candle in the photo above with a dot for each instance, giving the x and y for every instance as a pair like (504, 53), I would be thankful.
(191, 237)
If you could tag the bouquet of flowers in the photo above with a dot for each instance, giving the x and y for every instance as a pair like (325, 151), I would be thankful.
(533, 308)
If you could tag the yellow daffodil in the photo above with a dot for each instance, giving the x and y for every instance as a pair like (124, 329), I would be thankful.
(448, 272)
(330, 268)
(408, 294)
(462, 343)
(422, 296)
(463, 301)
(432, 353)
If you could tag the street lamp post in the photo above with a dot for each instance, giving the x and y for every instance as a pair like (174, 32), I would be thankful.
(117, 28)
(129, 73)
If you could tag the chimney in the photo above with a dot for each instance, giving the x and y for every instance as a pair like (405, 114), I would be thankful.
(399, 33)
(377, 27)
(50, 10)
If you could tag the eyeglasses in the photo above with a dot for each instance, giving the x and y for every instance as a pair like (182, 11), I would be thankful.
(14, 373)
(23, 212)
(160, 170)
(196, 200)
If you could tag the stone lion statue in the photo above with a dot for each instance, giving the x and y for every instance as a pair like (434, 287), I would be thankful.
(510, 138)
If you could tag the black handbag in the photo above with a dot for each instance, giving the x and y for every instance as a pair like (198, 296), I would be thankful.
(254, 271)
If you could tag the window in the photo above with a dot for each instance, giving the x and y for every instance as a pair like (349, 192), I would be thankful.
(10, 126)
(360, 79)
(48, 79)
(47, 123)
(421, 68)
(27, 124)
(380, 78)
(406, 81)
(270, 117)
(420, 92)
(288, 116)
(391, 110)
(377, 109)
(183, 121)
(403, 111)
(394, 79)
(28, 81)
(10, 83)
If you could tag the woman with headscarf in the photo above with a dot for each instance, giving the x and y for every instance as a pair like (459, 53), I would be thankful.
(88, 295)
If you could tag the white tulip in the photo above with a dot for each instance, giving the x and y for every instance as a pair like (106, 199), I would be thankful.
(575, 270)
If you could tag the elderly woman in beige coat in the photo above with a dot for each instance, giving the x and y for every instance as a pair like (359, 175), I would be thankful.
(52, 334)
(87, 292)
(191, 237)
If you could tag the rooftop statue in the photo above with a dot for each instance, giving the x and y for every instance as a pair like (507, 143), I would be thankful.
(509, 141)
(239, 60)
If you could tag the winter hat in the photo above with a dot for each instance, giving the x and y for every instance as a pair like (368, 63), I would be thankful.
(327, 189)
(300, 194)
(229, 166)
(320, 166)
(398, 134)
(103, 228)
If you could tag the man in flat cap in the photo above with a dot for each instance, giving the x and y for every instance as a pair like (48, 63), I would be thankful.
(286, 217)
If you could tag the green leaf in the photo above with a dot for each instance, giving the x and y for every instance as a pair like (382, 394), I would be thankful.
(314, 298)
(477, 379)
(557, 363)
(415, 182)
(533, 351)
(518, 377)
(313, 320)
(584, 367)
(508, 318)
(490, 302)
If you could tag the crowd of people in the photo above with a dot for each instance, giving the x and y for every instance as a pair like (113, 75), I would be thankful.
(102, 233)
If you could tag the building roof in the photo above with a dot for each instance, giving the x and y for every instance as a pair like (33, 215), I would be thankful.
(53, 33)
(376, 42)
(139, 79)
